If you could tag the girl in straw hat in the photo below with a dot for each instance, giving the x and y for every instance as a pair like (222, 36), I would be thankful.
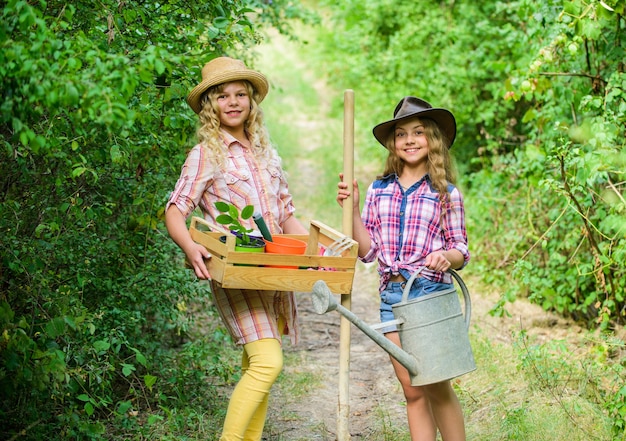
(235, 162)
(412, 219)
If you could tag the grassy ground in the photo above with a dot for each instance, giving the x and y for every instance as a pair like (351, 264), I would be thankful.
(531, 392)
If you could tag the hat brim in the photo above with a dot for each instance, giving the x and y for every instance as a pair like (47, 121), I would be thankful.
(257, 79)
(442, 117)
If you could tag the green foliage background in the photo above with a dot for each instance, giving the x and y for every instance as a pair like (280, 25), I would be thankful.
(538, 89)
(94, 127)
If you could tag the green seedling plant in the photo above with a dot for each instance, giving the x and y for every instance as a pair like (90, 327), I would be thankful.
(231, 216)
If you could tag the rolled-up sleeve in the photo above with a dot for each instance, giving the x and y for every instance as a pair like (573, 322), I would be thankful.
(455, 234)
(370, 220)
(196, 175)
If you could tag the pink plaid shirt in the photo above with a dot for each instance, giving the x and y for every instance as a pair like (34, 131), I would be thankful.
(244, 179)
(406, 226)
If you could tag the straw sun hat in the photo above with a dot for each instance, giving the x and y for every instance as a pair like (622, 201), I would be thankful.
(223, 70)
(411, 107)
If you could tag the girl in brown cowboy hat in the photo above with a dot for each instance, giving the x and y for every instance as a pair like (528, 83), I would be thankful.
(235, 162)
(413, 220)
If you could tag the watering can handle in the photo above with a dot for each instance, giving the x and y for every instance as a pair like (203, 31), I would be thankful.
(466, 295)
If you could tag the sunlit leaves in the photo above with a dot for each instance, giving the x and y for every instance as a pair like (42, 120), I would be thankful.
(539, 93)
(94, 127)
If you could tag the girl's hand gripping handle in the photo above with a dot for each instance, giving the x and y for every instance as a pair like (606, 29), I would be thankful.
(344, 191)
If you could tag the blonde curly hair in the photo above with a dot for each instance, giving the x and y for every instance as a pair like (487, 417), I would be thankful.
(210, 135)
(440, 167)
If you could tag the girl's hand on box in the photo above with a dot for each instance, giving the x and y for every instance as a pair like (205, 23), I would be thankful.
(196, 256)
(196, 253)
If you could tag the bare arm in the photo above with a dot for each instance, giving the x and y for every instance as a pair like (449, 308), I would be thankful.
(456, 238)
(293, 226)
(359, 232)
(196, 253)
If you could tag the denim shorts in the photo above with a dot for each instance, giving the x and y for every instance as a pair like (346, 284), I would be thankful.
(392, 294)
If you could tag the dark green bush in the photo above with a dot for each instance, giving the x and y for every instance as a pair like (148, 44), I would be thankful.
(538, 90)
(94, 128)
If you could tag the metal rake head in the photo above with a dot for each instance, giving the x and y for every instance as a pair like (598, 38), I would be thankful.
(338, 247)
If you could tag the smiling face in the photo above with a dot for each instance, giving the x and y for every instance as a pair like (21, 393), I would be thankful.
(411, 143)
(233, 103)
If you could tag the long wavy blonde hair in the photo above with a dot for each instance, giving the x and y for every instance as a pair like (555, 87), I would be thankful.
(440, 167)
(209, 133)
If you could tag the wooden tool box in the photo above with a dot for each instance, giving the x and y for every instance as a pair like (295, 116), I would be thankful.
(236, 269)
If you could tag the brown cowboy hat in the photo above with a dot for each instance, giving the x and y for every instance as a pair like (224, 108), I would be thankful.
(410, 107)
(223, 70)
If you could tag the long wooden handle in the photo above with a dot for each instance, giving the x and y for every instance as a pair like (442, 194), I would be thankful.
(348, 158)
(343, 411)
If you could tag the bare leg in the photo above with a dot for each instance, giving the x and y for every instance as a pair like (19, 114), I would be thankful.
(446, 410)
(421, 423)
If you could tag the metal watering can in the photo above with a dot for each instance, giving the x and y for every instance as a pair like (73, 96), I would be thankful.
(433, 331)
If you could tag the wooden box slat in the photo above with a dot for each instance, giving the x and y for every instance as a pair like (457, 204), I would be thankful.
(225, 265)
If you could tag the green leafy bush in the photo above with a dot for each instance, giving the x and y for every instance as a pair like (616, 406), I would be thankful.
(538, 92)
(94, 127)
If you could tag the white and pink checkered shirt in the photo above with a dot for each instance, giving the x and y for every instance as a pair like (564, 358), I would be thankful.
(243, 179)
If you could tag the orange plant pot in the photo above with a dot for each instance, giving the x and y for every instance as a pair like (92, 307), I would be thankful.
(285, 245)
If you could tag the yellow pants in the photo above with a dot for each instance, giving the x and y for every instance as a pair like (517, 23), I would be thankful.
(261, 364)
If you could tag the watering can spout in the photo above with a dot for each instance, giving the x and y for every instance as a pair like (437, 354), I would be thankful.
(324, 301)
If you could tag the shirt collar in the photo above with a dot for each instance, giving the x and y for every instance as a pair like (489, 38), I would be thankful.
(228, 138)
(396, 178)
